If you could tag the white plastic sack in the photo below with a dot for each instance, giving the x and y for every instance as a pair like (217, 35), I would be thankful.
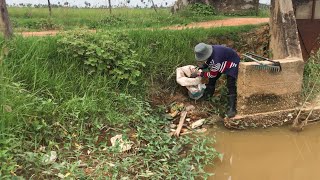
(194, 85)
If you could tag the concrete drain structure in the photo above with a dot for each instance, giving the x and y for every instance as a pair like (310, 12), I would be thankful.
(266, 98)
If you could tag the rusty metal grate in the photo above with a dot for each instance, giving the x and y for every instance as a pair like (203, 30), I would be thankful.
(308, 25)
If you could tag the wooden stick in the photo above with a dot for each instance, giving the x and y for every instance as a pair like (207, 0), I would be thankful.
(182, 118)
(305, 122)
(296, 120)
(313, 120)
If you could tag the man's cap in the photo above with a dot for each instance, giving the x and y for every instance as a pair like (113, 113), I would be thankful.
(202, 51)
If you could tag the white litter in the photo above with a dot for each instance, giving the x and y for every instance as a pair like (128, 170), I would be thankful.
(197, 123)
(49, 159)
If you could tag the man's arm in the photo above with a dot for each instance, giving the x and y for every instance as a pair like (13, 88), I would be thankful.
(215, 71)
(210, 74)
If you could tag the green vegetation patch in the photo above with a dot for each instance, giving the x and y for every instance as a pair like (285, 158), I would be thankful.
(311, 78)
(108, 53)
(57, 119)
(35, 19)
(197, 9)
(58, 116)
(47, 140)
(32, 19)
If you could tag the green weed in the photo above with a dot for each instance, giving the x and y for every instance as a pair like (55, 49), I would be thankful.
(197, 9)
(108, 53)
(312, 76)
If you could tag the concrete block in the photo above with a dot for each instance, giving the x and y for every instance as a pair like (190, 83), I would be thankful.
(263, 91)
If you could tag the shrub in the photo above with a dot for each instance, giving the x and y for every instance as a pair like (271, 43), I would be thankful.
(198, 9)
(106, 53)
(113, 20)
(109, 21)
(45, 24)
(27, 14)
(41, 24)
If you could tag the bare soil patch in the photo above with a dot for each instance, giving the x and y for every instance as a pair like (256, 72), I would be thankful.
(44, 33)
(220, 23)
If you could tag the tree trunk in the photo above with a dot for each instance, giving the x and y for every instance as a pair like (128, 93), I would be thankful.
(49, 5)
(109, 6)
(5, 23)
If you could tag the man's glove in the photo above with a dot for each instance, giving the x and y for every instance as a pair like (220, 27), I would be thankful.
(194, 74)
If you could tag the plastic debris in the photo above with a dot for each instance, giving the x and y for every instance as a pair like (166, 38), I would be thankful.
(197, 123)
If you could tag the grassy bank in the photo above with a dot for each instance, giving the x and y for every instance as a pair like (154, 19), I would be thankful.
(52, 103)
(32, 19)
(25, 19)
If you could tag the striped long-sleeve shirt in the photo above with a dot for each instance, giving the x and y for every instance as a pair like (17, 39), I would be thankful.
(222, 60)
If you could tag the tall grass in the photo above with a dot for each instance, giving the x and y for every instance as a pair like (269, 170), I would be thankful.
(164, 50)
(31, 19)
(38, 18)
(311, 80)
(48, 99)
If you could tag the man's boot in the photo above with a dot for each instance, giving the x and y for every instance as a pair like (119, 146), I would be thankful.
(232, 105)
(208, 92)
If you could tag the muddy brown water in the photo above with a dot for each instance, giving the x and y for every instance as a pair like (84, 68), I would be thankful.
(267, 154)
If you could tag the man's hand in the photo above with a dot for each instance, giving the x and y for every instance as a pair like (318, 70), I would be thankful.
(195, 74)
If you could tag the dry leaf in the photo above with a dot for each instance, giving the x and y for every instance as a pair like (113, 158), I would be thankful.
(7, 108)
(124, 145)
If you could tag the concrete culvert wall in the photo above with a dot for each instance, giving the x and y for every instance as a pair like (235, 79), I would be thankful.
(266, 97)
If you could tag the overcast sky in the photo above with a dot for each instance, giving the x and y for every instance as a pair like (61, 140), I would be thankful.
(101, 2)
